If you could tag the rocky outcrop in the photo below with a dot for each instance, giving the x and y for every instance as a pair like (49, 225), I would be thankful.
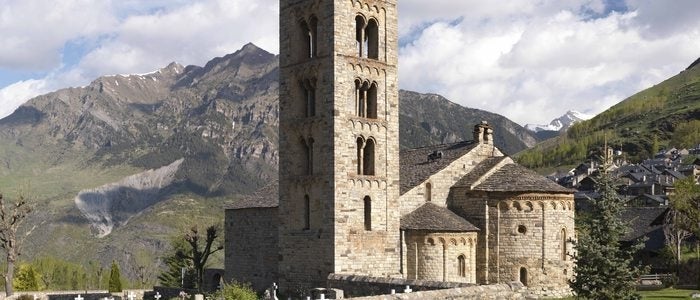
(113, 204)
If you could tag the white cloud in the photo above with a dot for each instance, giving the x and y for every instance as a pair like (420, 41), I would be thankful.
(528, 60)
(123, 37)
(33, 32)
(533, 61)
(12, 96)
(190, 34)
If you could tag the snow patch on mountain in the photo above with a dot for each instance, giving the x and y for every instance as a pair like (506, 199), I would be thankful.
(560, 124)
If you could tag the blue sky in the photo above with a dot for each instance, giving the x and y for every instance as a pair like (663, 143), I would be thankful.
(528, 60)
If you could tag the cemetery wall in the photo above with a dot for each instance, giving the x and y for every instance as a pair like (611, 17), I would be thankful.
(85, 294)
(358, 286)
(371, 288)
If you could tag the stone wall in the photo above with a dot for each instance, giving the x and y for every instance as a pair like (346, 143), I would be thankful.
(358, 286)
(521, 236)
(375, 251)
(90, 294)
(319, 153)
(436, 256)
(371, 288)
(441, 182)
(251, 250)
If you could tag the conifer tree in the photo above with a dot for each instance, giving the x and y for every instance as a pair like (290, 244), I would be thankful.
(115, 280)
(604, 269)
(173, 275)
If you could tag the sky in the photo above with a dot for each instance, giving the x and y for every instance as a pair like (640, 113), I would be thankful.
(529, 60)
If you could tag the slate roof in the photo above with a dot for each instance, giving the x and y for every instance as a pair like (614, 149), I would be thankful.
(658, 198)
(676, 174)
(265, 197)
(416, 168)
(640, 221)
(479, 171)
(432, 217)
(516, 178)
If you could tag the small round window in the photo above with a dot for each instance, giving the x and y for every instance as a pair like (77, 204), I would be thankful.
(522, 229)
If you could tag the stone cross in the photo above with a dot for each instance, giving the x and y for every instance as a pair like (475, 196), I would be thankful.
(274, 291)
(79, 298)
(157, 296)
(130, 296)
(408, 289)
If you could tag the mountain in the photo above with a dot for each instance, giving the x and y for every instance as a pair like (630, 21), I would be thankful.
(664, 115)
(428, 119)
(155, 152)
(560, 124)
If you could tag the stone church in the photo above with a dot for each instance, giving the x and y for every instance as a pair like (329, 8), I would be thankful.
(350, 201)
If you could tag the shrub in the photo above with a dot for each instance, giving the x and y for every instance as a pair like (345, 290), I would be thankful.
(236, 291)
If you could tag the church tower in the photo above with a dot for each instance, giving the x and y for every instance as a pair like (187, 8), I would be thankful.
(339, 140)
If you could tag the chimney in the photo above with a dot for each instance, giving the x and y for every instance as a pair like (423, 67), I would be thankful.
(483, 133)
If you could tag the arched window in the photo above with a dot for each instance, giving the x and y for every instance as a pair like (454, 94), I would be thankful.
(461, 266)
(368, 213)
(523, 276)
(313, 37)
(309, 98)
(365, 99)
(367, 37)
(310, 167)
(368, 158)
(308, 159)
(360, 35)
(308, 32)
(307, 212)
(563, 244)
(372, 39)
(360, 98)
(360, 148)
(428, 192)
(372, 102)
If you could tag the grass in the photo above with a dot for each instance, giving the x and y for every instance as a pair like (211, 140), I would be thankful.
(669, 293)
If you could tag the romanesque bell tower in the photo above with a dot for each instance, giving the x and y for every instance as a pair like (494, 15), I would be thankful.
(339, 140)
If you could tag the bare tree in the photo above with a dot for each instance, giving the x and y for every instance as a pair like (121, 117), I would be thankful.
(675, 233)
(197, 255)
(11, 217)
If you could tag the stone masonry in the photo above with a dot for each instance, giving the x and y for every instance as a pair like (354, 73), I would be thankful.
(337, 218)
(349, 201)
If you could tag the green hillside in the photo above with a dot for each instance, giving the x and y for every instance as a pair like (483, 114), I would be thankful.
(665, 115)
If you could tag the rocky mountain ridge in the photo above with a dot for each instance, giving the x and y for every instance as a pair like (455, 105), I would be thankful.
(88, 150)
(561, 123)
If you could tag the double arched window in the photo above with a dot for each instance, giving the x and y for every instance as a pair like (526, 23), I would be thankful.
(367, 37)
(309, 33)
(365, 99)
(365, 156)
